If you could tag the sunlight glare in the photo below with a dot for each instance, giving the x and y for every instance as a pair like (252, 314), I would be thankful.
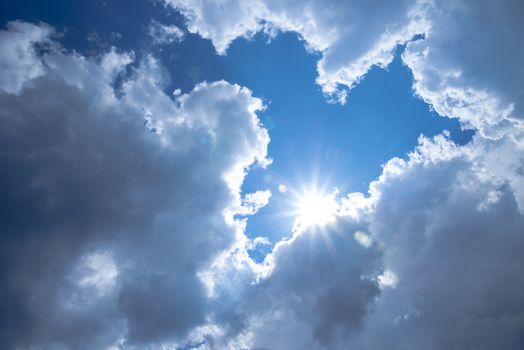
(316, 209)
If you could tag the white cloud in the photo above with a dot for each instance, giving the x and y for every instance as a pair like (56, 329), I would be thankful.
(252, 202)
(98, 270)
(163, 34)
(388, 279)
(353, 36)
(18, 63)
(469, 64)
(221, 21)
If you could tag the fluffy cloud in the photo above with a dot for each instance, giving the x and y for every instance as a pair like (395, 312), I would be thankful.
(438, 268)
(371, 29)
(465, 62)
(114, 196)
(221, 21)
(321, 286)
(452, 237)
(131, 195)
(427, 259)
(18, 62)
(469, 64)
(449, 219)
(314, 290)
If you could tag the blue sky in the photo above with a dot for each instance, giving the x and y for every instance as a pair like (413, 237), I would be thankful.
(312, 140)
(340, 146)
(145, 146)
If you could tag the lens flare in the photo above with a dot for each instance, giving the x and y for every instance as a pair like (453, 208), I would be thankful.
(363, 239)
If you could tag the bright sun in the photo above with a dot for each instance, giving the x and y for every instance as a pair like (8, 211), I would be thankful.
(316, 209)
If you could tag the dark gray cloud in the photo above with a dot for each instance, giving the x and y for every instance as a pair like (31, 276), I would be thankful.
(322, 281)
(111, 205)
(454, 240)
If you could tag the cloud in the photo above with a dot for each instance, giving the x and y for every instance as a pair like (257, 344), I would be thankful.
(107, 221)
(443, 227)
(163, 34)
(221, 21)
(465, 60)
(136, 237)
(17, 53)
(322, 285)
(468, 65)
(311, 291)
(454, 249)
(372, 29)
(441, 260)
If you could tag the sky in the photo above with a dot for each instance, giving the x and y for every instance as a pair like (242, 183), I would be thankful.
(261, 174)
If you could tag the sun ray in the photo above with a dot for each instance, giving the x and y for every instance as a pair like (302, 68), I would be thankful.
(314, 208)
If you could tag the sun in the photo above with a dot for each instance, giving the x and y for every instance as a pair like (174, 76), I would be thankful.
(315, 209)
